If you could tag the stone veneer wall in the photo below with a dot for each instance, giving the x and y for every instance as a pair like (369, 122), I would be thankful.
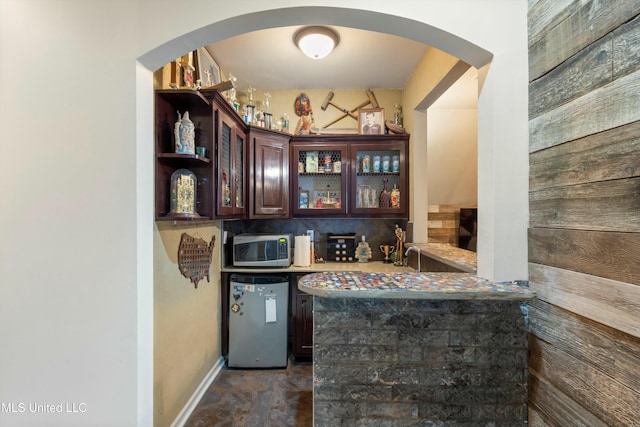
(390, 362)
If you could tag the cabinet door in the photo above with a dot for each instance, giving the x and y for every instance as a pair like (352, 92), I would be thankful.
(318, 179)
(303, 324)
(230, 174)
(270, 175)
(380, 179)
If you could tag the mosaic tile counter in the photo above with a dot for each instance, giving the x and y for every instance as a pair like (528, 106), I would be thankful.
(418, 349)
(352, 284)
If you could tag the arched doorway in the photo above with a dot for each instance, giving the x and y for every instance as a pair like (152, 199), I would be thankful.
(364, 19)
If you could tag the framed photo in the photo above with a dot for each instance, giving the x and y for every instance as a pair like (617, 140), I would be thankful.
(207, 70)
(371, 121)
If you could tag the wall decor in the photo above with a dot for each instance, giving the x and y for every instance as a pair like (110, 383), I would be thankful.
(371, 121)
(207, 69)
(194, 257)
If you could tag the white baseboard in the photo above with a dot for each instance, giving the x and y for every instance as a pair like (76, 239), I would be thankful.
(184, 415)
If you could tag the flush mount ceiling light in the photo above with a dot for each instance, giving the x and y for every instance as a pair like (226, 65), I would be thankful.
(316, 42)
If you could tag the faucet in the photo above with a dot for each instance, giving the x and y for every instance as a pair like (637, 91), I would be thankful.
(415, 249)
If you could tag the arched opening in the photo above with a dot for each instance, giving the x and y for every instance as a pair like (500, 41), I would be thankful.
(374, 21)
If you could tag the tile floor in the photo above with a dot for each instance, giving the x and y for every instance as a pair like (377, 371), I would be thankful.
(257, 397)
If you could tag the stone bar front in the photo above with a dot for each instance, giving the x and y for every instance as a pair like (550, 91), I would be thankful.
(418, 349)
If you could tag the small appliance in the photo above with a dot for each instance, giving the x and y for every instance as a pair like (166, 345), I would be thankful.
(262, 250)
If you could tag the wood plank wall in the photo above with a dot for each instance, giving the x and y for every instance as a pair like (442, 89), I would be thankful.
(584, 203)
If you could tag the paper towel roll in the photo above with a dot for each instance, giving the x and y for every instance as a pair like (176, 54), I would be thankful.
(302, 251)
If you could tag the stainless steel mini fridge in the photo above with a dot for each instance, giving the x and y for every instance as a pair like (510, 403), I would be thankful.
(258, 307)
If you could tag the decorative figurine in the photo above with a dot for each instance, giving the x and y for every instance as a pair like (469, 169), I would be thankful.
(250, 91)
(363, 251)
(397, 115)
(399, 242)
(184, 133)
(267, 102)
(231, 95)
(304, 126)
(387, 250)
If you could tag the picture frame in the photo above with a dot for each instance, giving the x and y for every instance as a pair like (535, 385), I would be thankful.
(188, 78)
(207, 69)
(371, 121)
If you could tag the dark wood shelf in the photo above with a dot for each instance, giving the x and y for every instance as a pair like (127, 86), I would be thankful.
(378, 173)
(184, 157)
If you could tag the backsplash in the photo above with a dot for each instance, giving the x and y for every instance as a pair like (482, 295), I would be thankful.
(377, 231)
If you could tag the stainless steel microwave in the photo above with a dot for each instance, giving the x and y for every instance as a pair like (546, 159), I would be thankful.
(262, 250)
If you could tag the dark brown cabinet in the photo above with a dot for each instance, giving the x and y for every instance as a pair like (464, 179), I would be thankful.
(379, 189)
(319, 177)
(360, 176)
(301, 321)
(168, 103)
(221, 190)
(268, 174)
(231, 185)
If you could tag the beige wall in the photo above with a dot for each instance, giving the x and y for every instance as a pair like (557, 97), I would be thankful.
(421, 90)
(452, 162)
(186, 321)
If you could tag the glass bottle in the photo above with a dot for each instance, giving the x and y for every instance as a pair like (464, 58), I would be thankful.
(363, 251)
(395, 197)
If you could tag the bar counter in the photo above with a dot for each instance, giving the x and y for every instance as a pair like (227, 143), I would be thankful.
(418, 349)
(434, 286)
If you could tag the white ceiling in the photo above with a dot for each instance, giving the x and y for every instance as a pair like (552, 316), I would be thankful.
(269, 60)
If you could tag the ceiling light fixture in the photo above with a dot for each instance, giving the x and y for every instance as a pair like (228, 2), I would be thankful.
(316, 42)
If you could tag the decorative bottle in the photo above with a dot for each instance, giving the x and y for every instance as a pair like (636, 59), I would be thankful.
(363, 251)
(395, 197)
(385, 197)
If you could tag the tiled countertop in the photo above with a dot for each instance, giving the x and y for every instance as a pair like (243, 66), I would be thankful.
(451, 286)
(461, 259)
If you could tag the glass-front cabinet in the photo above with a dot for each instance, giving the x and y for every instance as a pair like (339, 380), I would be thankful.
(319, 178)
(231, 159)
(379, 186)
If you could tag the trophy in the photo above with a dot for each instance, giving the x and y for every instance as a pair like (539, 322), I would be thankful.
(387, 250)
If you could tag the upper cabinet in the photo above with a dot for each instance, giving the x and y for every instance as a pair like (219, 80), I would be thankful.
(268, 174)
(193, 173)
(350, 175)
(379, 184)
(231, 156)
(204, 178)
(222, 168)
(319, 180)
